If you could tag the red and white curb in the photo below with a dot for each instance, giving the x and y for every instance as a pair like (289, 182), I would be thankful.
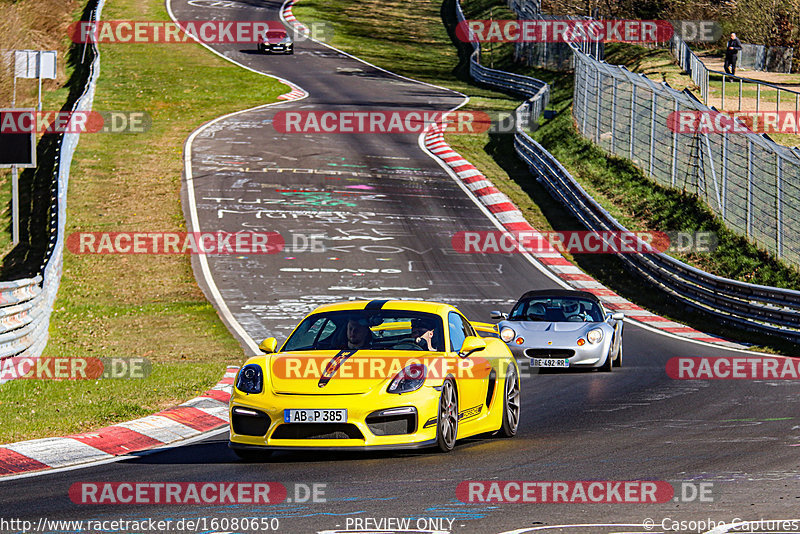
(288, 16)
(201, 414)
(507, 213)
(295, 94)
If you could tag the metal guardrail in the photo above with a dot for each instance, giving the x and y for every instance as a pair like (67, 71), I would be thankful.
(26, 305)
(691, 64)
(536, 91)
(760, 308)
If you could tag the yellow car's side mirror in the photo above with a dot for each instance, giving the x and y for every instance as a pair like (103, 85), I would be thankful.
(471, 344)
(268, 345)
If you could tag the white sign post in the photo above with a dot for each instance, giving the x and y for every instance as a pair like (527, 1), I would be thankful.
(28, 64)
(15, 153)
(34, 64)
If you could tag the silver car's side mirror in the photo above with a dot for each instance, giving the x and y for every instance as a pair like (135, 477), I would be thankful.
(498, 315)
(618, 316)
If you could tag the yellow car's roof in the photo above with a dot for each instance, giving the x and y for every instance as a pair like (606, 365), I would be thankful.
(408, 305)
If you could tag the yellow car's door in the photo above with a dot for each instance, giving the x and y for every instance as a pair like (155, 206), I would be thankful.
(471, 372)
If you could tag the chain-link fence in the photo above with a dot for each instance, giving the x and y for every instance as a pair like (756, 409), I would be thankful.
(752, 183)
(726, 91)
(766, 58)
(547, 55)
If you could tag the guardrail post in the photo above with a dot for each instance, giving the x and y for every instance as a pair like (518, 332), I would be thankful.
(778, 100)
(758, 95)
(740, 94)
(585, 103)
(722, 106)
(633, 114)
(779, 213)
(674, 165)
(599, 100)
(652, 133)
(724, 174)
(713, 173)
(749, 188)
(613, 115)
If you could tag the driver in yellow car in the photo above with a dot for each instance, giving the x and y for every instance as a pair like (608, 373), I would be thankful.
(359, 336)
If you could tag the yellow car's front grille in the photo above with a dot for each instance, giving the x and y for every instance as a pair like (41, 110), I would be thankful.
(317, 431)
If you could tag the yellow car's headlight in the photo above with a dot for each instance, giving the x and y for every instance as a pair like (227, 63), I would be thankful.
(250, 379)
(408, 379)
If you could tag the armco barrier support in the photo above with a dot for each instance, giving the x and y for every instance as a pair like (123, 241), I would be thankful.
(26, 305)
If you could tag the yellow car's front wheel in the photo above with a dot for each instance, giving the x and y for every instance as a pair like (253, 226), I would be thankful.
(447, 426)
(511, 404)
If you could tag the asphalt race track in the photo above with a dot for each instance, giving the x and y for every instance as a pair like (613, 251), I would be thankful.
(388, 212)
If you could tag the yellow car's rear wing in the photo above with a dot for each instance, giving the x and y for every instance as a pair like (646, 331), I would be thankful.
(485, 329)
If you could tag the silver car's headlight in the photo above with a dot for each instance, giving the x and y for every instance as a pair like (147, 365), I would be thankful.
(507, 334)
(594, 336)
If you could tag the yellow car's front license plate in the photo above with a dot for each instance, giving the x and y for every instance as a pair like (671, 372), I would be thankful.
(314, 416)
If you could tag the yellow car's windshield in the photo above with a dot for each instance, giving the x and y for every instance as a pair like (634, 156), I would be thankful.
(368, 329)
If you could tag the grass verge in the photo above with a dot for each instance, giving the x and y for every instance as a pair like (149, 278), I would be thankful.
(429, 54)
(135, 305)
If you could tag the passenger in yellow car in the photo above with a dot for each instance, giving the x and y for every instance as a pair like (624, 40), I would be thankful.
(422, 332)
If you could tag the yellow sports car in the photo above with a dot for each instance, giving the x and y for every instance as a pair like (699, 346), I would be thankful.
(372, 375)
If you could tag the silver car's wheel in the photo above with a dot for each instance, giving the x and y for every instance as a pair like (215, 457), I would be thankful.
(447, 426)
(609, 363)
(511, 404)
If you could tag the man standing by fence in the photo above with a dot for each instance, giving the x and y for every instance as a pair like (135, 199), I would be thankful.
(731, 51)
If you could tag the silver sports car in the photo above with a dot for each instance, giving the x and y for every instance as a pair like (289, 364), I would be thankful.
(563, 328)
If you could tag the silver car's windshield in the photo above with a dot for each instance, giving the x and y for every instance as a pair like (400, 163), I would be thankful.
(556, 309)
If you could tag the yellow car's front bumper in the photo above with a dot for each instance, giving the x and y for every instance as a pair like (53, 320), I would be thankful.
(362, 431)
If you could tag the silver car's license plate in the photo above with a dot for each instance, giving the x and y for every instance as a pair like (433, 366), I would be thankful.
(549, 362)
(314, 416)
